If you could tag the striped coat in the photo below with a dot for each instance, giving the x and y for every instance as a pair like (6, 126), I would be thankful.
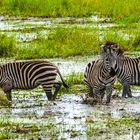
(128, 72)
(98, 80)
(125, 68)
(29, 75)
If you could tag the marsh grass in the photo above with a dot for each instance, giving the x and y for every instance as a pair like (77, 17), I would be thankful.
(122, 126)
(62, 43)
(126, 10)
(77, 41)
(66, 42)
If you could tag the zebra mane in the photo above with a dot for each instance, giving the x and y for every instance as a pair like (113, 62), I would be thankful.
(119, 50)
(109, 43)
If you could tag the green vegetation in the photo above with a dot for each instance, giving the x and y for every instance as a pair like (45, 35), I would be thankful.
(119, 127)
(62, 43)
(30, 115)
(71, 41)
(3, 99)
(7, 46)
(128, 10)
(68, 42)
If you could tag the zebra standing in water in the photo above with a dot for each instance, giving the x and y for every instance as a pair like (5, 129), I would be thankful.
(28, 75)
(126, 69)
(98, 80)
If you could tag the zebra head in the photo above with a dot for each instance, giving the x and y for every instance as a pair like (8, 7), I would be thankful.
(110, 52)
(110, 49)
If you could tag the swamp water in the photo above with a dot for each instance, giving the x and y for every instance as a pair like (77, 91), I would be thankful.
(31, 116)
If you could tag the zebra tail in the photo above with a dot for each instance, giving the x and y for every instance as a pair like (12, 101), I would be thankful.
(63, 82)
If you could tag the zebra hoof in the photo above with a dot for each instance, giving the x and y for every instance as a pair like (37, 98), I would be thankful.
(130, 96)
(123, 96)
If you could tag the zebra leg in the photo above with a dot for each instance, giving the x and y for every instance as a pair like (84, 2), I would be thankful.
(98, 96)
(57, 88)
(89, 90)
(49, 95)
(7, 87)
(109, 93)
(48, 91)
(129, 93)
(126, 91)
(102, 94)
(8, 95)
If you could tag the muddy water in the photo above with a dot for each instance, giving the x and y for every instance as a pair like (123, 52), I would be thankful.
(73, 64)
(31, 116)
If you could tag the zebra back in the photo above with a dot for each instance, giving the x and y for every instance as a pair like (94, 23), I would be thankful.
(128, 70)
(26, 75)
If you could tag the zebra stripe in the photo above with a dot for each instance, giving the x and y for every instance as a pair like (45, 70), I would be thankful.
(127, 69)
(98, 80)
(28, 75)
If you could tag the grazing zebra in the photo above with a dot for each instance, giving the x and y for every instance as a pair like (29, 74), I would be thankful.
(28, 75)
(125, 68)
(98, 80)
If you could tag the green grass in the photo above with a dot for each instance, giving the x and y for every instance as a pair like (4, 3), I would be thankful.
(62, 43)
(7, 46)
(126, 10)
(66, 42)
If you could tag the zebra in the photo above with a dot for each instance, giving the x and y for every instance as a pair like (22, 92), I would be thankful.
(28, 75)
(125, 68)
(98, 80)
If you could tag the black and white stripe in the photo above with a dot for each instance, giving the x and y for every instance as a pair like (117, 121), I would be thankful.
(28, 75)
(125, 68)
(98, 80)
